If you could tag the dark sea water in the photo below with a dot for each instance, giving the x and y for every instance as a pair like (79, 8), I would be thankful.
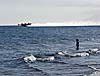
(18, 42)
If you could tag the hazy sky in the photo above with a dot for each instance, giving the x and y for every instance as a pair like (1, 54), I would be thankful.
(15, 11)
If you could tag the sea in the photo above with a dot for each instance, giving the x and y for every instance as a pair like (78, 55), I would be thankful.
(17, 42)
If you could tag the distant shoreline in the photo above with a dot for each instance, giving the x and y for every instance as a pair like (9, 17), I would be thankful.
(51, 25)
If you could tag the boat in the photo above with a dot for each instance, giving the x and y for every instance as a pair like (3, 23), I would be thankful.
(24, 24)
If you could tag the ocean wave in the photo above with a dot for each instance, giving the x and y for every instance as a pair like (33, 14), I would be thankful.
(79, 54)
(54, 56)
(32, 58)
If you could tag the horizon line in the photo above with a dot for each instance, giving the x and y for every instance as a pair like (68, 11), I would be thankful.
(57, 24)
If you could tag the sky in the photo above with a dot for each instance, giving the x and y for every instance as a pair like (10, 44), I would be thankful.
(49, 11)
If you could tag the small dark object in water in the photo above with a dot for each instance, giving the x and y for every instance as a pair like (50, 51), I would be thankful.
(24, 24)
(77, 44)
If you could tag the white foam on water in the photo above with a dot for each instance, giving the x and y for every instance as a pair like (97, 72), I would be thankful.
(30, 58)
(81, 54)
(73, 54)
(61, 53)
(94, 50)
(51, 58)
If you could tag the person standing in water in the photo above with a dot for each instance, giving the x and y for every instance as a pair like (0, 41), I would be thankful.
(77, 44)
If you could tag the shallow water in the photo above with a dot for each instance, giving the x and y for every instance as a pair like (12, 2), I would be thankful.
(18, 42)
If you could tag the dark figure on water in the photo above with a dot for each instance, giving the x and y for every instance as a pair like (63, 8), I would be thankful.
(77, 44)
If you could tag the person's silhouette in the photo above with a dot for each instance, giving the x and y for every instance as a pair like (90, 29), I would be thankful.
(77, 44)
